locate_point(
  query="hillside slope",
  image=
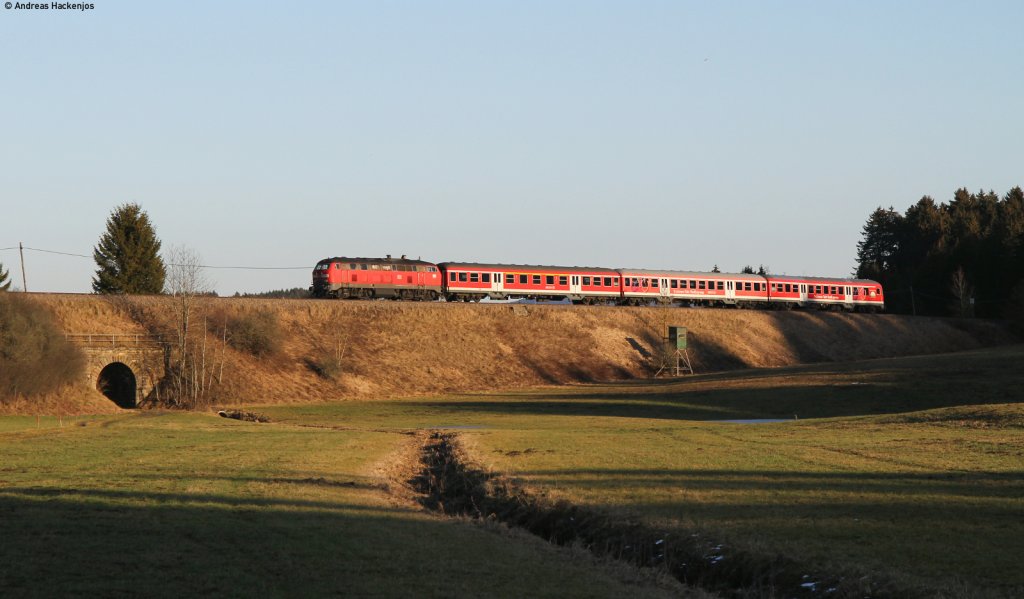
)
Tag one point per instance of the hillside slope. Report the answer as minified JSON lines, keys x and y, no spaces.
{"x":391,"y":349}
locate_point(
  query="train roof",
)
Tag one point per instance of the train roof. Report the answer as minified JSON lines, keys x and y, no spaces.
{"x":387,"y":260}
{"x":692,"y":274}
{"x":829,"y":279}
{"x":528,"y":267}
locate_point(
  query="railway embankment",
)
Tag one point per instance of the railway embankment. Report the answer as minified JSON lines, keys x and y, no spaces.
{"x":332,"y":350}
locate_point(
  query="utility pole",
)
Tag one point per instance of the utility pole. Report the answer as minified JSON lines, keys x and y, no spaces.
{"x":21,"y":250}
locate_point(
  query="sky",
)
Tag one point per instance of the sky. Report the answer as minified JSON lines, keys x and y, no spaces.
{"x":664,"y":135}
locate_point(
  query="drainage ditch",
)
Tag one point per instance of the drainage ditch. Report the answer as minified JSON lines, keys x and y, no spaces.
{"x":449,"y":484}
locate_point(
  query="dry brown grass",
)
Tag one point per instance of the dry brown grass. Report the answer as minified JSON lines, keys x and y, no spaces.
{"x":392,"y":349}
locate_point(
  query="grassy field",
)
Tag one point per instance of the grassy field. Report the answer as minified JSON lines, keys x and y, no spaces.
{"x":910,"y":468}
{"x":158,"y":504}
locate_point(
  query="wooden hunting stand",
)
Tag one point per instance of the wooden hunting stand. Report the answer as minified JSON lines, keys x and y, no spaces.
{"x":676,"y":341}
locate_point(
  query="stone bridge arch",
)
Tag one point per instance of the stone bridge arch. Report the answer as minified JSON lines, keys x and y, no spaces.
{"x":125,"y":368}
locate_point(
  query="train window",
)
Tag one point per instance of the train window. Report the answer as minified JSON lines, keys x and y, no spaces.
{"x":536,"y":279}
{"x":510,"y":279}
{"x":856,"y":291}
{"x":486,"y":277}
{"x":608,"y":281}
{"x":522,"y":279}
{"x":549,"y":279}
{"x":654,"y":283}
{"x":586,"y":280}
{"x":817,"y":289}
{"x":474,"y":277}
{"x":721,"y":285}
{"x":451,"y":276}
{"x":462,"y":277}
{"x":746,"y":286}
{"x":562,"y":280}
{"x":362,"y":267}
{"x":674,"y":284}
{"x":701,"y":284}
{"x":757,"y":287}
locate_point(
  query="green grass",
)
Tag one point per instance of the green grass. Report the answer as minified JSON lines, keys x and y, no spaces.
{"x":183,"y":504}
{"x":911,"y":467}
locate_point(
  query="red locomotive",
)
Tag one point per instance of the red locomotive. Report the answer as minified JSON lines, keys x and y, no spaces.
{"x":366,"y":278}
{"x":462,"y":281}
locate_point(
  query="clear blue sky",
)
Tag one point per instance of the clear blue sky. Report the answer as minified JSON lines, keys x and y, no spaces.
{"x":643,"y":134}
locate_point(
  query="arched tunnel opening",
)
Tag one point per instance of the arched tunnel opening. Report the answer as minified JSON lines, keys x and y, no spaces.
{"x":117,"y":382}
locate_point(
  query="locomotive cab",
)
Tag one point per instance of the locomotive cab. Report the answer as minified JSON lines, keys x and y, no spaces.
{"x":322,"y":278}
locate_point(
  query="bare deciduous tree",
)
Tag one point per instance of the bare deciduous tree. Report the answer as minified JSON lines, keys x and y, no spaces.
{"x":187,"y":283}
{"x":963,"y":293}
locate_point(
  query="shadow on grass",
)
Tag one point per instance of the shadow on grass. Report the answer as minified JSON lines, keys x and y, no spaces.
{"x":822,"y":401}
{"x":1009,"y":485}
{"x":78,"y":542}
{"x":102,"y":543}
{"x":855,"y":389}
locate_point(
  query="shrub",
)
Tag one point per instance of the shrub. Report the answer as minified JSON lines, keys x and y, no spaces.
{"x":329,"y":366}
{"x":258,"y":333}
{"x":35,"y":357}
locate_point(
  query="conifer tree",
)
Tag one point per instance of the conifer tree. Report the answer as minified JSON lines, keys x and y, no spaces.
{"x":882,"y":235}
{"x":5,"y":284}
{"x":128,"y":254}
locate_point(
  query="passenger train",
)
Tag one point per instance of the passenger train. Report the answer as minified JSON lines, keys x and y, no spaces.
{"x":405,"y":279}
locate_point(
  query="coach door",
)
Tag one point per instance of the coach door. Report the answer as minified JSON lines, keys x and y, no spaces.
{"x":848,"y":297}
{"x":496,"y":281}
{"x":803,"y":292}
{"x":730,"y":290}
{"x":663,"y":288}
{"x":574,"y":284}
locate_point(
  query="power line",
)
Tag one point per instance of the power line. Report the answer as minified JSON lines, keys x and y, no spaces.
{"x":56,"y":252}
{"x":210,"y":266}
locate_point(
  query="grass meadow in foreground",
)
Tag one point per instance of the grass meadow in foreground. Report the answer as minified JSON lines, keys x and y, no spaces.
{"x":161,"y":504}
{"x":909,"y":467}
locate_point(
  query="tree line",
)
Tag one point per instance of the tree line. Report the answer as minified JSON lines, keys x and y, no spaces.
{"x":961,"y":258}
